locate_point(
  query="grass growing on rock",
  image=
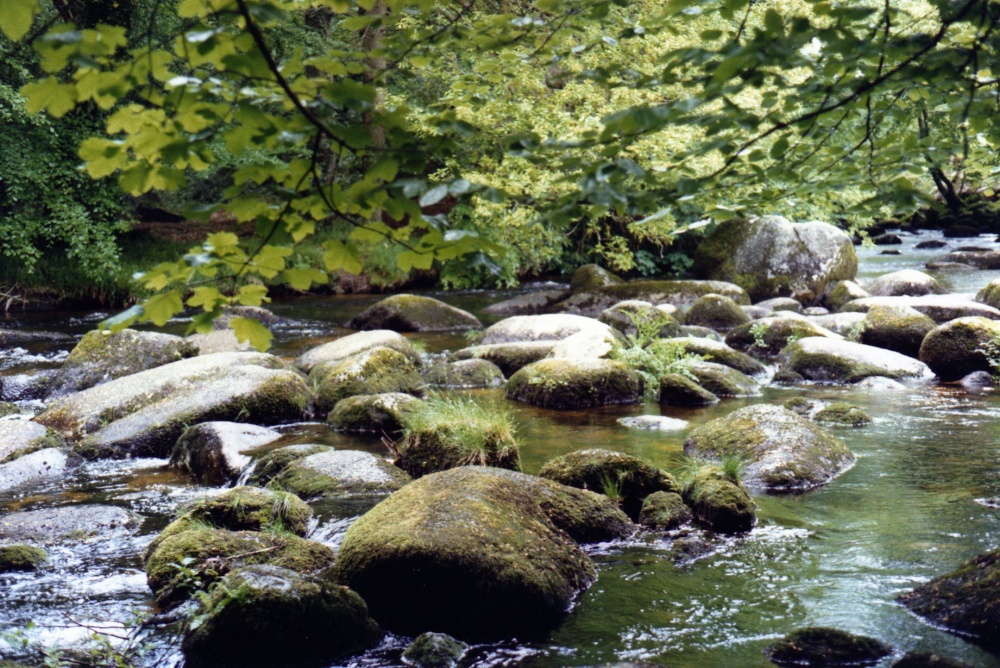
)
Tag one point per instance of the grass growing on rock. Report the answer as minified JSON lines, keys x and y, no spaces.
{"x":450,"y":431}
{"x":653,"y":357}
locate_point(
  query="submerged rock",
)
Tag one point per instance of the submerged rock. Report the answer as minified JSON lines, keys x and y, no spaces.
{"x":101,"y":356}
{"x":962,"y":346}
{"x":75,"y":524}
{"x":928,"y":660}
{"x":829,"y":360}
{"x":278,"y":617}
{"x":772,"y":257}
{"x":626,"y":479}
{"x":339,"y":473}
{"x":414,"y":313}
{"x":21,"y":558}
{"x":375,"y":371}
{"x":782,"y":451}
{"x":652,"y":423}
{"x":478,"y":553}
{"x":434,"y":650}
{"x":144,"y":414}
{"x":664,"y":511}
{"x":355,"y":344}
{"x":965,"y":601}
{"x":568,"y":384}
{"x":213,"y":452}
{"x":819,"y":646}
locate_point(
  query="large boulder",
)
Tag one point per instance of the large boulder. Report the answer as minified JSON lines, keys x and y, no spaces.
{"x":940,"y":308}
{"x":957,"y":348}
{"x":355,"y":344}
{"x":508,"y":357}
{"x":767,"y":337}
{"x":379,"y":413}
{"x":590,"y":277}
{"x":475,"y":552}
{"x":625,"y":478}
{"x":340,"y":474}
{"x":906,"y":282}
{"x":720,"y":353}
{"x":550,"y":327}
{"x":101,"y":356}
{"x":782,"y":451}
{"x":68,"y":525}
{"x":965,"y":601}
{"x":679,"y":293}
{"x":213,"y":452}
{"x":716,"y":312}
{"x":38,"y":465}
{"x":772,"y":257}
{"x":268,"y":615}
{"x":569,"y":384}
{"x":898,"y":328}
{"x":144,"y":414}
{"x":414,"y":313}
{"x":375,"y":371}
{"x":836,"y":361}
{"x":21,"y":437}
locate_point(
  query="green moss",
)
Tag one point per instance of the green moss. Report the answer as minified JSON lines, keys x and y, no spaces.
{"x":573,"y":384}
{"x":589,"y":277}
{"x":379,"y":413}
{"x":7,"y":408}
{"x":435,"y":650}
{"x":413,"y":313}
{"x":820,"y":646}
{"x":801,"y":406}
{"x":716,"y":312}
{"x":375,"y":371}
{"x":957,"y":348}
{"x":901,"y":329}
{"x":723,"y":381}
{"x":21,"y":558}
{"x":676,"y":390}
{"x":341,"y":473}
{"x":633,"y":478}
{"x":842,"y":413}
{"x":274,"y":461}
{"x":664,"y":511}
{"x":718,"y":502}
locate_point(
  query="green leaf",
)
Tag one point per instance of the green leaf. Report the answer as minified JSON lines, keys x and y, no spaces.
{"x":16,"y":17}
{"x":434,"y":195}
{"x":208,"y":298}
{"x":251,"y":295}
{"x":248,"y":329}
{"x":162,"y":307}
{"x":338,"y":255}
{"x":303,"y":278}
{"x":49,"y":95}
{"x":409,"y":259}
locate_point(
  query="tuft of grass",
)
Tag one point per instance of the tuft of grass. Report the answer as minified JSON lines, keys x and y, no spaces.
{"x":729,"y":467}
{"x":484,"y":430}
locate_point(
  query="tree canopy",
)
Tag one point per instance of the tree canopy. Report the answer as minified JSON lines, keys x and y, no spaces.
{"x":466,"y":132}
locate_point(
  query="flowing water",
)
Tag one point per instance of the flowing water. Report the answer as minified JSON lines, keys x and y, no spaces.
{"x":911,"y":508}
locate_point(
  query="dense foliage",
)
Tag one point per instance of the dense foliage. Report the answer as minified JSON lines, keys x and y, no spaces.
{"x":486,"y":138}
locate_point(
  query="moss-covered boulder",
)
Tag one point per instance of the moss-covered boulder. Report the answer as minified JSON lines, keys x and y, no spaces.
{"x":22,"y":437}
{"x":532,"y":303}
{"x":836,"y":361}
{"x":274,"y":461}
{"x":467,"y":374}
{"x":678,"y":390}
{"x":679,"y":293}
{"x":448,"y":432}
{"x":965,"y":601}
{"x":205,"y":555}
{"x":626,"y":479}
{"x":716,"y":312}
{"x":772,"y":257}
{"x":821,"y":646}
{"x":413,"y":313}
{"x":267,"y":616}
{"x":957,"y":348}
{"x":143,"y":415}
{"x":101,"y":356}
{"x":375,"y":371}
{"x":508,"y":357}
{"x":48,"y":463}
{"x":801,"y":406}
{"x":339,"y":473}
{"x":767,"y":337}
{"x":475,"y":552}
{"x":21,"y":558}
{"x":378,"y":413}
{"x":904,"y":282}
{"x":570,"y":384}
{"x":939,"y":308}
{"x":723,"y":381}
{"x":625,"y":316}
{"x":590,"y":277}
{"x":719,"y":502}
{"x":720,"y":353}
{"x":664,"y":511}
{"x":548,"y":327}
{"x":782,"y":451}
{"x":841,"y":293}
{"x":68,"y":524}
{"x":213,"y":453}
{"x":355,"y":344}
{"x":434,"y":650}
{"x":843,"y":414}
{"x":929,"y":660}
{"x":898,"y":328}
{"x":990,"y":295}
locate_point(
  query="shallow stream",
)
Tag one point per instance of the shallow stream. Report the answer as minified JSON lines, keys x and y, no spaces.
{"x":911,"y":508}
